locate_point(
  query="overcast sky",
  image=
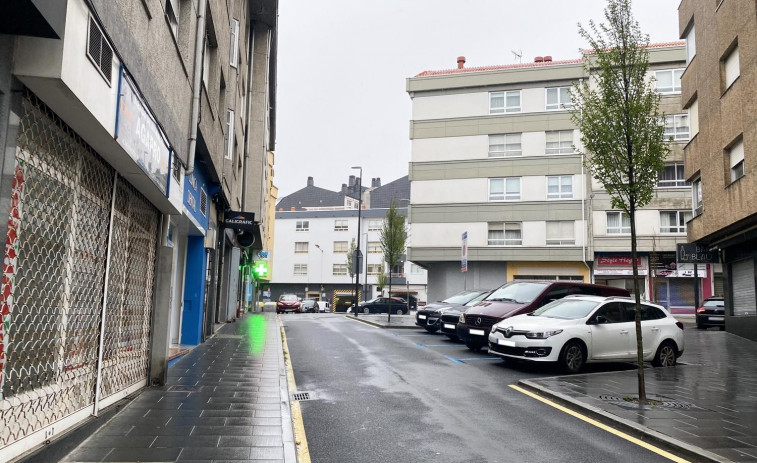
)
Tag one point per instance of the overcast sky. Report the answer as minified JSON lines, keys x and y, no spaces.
{"x":343,"y":65}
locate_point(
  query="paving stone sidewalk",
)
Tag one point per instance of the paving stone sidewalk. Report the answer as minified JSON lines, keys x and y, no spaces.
{"x":709,"y":409}
{"x":225,"y":401}
{"x":380,"y":320}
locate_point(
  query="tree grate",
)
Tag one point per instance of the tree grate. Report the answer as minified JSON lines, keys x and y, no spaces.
{"x":656,"y":402}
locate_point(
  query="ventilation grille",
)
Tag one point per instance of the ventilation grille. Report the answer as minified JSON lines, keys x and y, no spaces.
{"x":204,"y":203}
{"x":99,"y":52}
{"x":302,"y":396}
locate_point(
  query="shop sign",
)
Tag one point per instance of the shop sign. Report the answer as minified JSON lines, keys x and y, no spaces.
{"x":140,"y":136}
{"x":692,"y":253}
{"x":618,"y":272}
{"x":196,"y":197}
{"x":240,"y":220}
{"x":617,"y":261}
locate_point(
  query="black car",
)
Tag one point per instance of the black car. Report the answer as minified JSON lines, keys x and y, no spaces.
{"x":309,"y":306}
{"x":429,"y":316}
{"x":711,"y":313}
{"x":381,"y":305}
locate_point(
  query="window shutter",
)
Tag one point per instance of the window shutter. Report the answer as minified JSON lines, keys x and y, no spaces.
{"x":732,"y":67}
{"x":742,"y":277}
{"x":99,"y":51}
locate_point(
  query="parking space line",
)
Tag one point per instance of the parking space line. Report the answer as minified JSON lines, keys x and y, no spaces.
{"x":602,"y":426}
{"x":448,"y":357}
{"x":410,"y":335}
{"x":442,"y":345}
{"x":480,"y":358}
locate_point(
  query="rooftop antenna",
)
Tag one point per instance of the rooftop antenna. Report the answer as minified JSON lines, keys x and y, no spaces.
{"x":518,"y":55}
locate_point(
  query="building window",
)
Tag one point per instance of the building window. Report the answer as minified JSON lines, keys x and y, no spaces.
{"x":375,"y":225}
{"x":691,"y":45}
{"x":560,"y":142}
{"x":736,"y":160}
{"x":618,"y":223}
{"x":374,"y":269}
{"x":671,"y":176}
{"x":339,"y":269}
{"x":561,"y":233}
{"x":504,"y":102}
{"x":504,"y":189}
{"x":696,"y":191}
{"x":504,"y":145}
{"x":513,"y":234}
{"x":301,"y":247}
{"x":340,"y":247}
{"x":674,"y":221}
{"x":374,"y":247}
{"x":302,"y":225}
{"x":496,"y":234}
{"x":560,"y":187}
{"x":234,"y":46}
{"x":505,"y":234}
{"x":730,"y":65}
{"x":300,"y":269}
{"x":230,"y":134}
{"x":173,"y":13}
{"x":558,"y":99}
{"x":677,"y":126}
{"x":340,"y":225}
{"x":416,"y":269}
{"x":693,"y":112}
{"x":668,"y":81}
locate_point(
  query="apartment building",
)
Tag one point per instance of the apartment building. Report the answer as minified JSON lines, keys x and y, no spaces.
{"x":129,"y":131}
{"x":315,"y":228}
{"x":495,"y":155}
{"x":718,"y":84}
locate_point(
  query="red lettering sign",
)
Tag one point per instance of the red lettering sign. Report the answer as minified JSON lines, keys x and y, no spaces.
{"x":617,"y":261}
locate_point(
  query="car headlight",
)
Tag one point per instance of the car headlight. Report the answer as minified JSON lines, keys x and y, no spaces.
{"x":542,"y":334}
{"x":462,"y":318}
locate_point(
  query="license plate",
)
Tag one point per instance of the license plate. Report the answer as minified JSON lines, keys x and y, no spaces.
{"x":477,"y":332}
{"x":505,"y":342}
{"x":421,"y":317}
{"x":716,"y":319}
{"x":449,"y":327}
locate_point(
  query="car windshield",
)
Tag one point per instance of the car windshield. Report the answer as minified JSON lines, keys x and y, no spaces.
{"x":288,"y":298}
{"x":521,"y":293}
{"x":476,"y":299}
{"x":714,"y":303}
{"x":461,"y":297}
{"x":566,"y":309}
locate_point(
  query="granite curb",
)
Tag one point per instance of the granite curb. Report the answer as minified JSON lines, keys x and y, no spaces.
{"x":290,"y":447}
{"x":636,"y":430}
{"x":379,"y":324}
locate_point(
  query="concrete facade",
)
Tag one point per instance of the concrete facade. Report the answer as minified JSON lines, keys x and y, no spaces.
{"x":719,"y":90}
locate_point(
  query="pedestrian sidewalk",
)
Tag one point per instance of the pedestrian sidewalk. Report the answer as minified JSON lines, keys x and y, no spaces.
{"x":226,"y":400}
{"x":380,"y":320}
{"x":708,"y":409}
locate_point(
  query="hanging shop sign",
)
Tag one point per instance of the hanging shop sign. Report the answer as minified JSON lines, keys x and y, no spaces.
{"x":692,"y":253}
{"x":240,"y":220}
{"x":139,"y":135}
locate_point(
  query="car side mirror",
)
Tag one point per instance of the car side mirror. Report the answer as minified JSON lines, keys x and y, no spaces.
{"x":601,"y":319}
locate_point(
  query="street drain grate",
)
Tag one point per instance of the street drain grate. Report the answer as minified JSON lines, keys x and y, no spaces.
{"x":656,"y":402}
{"x":302,"y":396}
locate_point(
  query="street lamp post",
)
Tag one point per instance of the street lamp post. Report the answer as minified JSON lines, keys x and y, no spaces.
{"x":356,"y":257}
{"x":321,"y":275}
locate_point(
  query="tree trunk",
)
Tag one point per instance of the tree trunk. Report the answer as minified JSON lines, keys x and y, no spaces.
{"x":389,"y":317}
{"x":637,"y":295}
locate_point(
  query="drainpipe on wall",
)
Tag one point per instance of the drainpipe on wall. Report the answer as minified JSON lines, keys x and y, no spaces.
{"x":196,"y":86}
{"x":248,"y":105}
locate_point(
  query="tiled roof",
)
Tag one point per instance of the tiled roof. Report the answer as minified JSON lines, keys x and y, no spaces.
{"x":399,"y":190}
{"x":311,"y":196}
{"x":530,"y":65}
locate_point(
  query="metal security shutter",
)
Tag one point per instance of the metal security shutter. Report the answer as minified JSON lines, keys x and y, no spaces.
{"x":681,"y":292}
{"x":719,"y":283}
{"x":742,"y":277}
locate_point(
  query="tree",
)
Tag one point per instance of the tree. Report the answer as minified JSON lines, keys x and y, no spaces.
{"x":350,"y":262}
{"x":617,"y":111}
{"x":393,"y":239}
{"x":381,"y":280}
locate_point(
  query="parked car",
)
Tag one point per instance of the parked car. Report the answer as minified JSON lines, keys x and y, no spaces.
{"x":309,"y":306}
{"x":519,"y":297}
{"x":711,"y":313}
{"x":381,"y":305}
{"x":288,"y":303}
{"x":450,"y":317}
{"x":429,"y":316}
{"x":577,"y":330}
{"x":413,"y":300}
{"x":324,"y":306}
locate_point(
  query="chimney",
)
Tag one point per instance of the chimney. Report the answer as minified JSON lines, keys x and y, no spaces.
{"x":376,"y":182}
{"x":460,"y":62}
{"x":539,"y":59}
{"x":547,"y":59}
{"x":344,"y":188}
{"x":310,"y":181}
{"x":352,"y":181}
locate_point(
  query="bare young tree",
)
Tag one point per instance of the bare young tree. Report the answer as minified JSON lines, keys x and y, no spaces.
{"x":617,"y":111}
{"x":393,"y":240}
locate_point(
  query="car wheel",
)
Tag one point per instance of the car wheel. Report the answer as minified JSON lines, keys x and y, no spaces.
{"x":366,"y":310}
{"x":665,"y":356}
{"x":475,"y":347}
{"x":572,"y":357}
{"x":701,"y":327}
{"x":399,"y":312}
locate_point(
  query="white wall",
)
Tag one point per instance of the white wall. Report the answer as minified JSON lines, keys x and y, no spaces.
{"x":476,"y":190}
{"x":450,"y":148}
{"x":449,"y":234}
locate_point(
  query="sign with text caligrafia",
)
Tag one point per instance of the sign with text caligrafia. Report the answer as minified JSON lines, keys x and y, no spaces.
{"x":140,"y":136}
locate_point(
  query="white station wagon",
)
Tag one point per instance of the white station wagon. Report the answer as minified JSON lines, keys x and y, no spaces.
{"x":577,"y":330}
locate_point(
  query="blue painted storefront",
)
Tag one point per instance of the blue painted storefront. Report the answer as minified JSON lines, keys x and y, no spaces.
{"x":195,"y":196}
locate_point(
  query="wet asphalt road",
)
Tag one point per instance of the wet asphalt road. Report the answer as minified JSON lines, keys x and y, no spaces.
{"x":385,"y":395}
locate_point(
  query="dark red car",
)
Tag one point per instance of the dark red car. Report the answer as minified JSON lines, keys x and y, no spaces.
{"x":288,"y":303}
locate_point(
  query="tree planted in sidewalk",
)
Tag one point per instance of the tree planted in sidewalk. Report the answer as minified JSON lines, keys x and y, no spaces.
{"x":350,"y":257}
{"x":617,"y":112}
{"x":393,"y":239}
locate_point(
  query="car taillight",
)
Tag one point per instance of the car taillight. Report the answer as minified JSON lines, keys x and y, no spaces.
{"x":700,"y":310}
{"x":679,"y":324}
